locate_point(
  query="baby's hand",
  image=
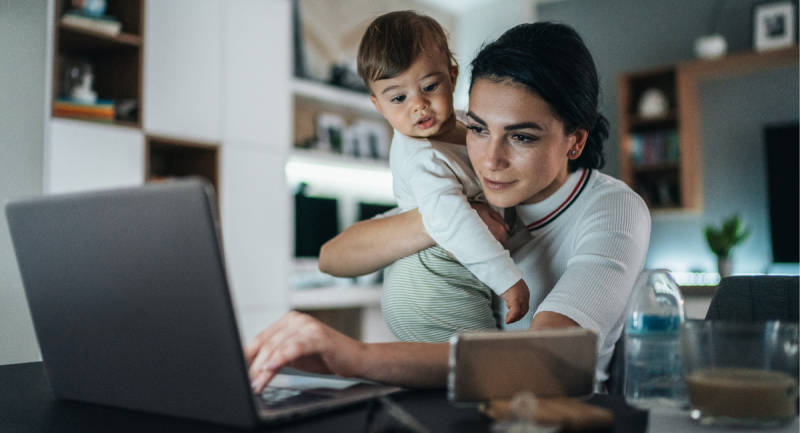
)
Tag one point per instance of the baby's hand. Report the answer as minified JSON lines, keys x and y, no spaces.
{"x":517,"y":299}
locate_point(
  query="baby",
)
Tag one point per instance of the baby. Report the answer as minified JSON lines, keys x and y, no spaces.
{"x":405,"y":61}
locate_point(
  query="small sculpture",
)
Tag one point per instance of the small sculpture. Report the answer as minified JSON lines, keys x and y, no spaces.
{"x":653,"y":104}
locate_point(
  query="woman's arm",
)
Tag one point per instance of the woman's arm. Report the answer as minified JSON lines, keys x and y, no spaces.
{"x":371,"y":245}
{"x":298,"y":340}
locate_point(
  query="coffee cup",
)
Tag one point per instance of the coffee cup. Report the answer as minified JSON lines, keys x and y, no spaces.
{"x":741,"y":374}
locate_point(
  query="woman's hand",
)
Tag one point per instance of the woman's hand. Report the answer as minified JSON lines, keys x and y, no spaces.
{"x":493,"y":220}
{"x":297,"y":340}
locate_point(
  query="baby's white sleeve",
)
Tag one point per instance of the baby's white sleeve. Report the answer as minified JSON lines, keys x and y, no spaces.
{"x":454,"y":225}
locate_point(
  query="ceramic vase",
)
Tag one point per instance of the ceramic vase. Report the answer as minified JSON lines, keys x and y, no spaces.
{"x":724,"y":266}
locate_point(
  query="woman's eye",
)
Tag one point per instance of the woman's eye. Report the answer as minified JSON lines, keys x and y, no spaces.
{"x":430,"y":87}
{"x":476,"y":129}
{"x":399,"y":99}
{"x":520,"y":138}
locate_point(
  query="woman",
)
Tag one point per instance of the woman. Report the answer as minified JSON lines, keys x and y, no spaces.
{"x":535,"y":138}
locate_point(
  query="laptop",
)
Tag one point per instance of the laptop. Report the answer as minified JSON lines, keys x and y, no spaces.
{"x":131,"y":306}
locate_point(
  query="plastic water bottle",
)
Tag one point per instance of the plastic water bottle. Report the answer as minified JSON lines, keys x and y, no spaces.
{"x":653,"y":367}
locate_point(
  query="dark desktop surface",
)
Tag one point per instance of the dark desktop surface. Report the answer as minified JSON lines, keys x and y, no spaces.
{"x":27,"y":405}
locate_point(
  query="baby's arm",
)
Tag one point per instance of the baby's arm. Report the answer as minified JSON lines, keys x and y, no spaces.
{"x":456,"y":227}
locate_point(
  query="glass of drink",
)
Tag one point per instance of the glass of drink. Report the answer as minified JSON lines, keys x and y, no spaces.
{"x":741,"y":374}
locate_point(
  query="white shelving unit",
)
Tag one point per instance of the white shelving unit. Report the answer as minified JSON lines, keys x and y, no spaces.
{"x":332,"y":95}
{"x":351,"y":180}
{"x":329,"y":159}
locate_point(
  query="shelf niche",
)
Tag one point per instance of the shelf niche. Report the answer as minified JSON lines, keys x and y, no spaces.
{"x":169,"y":158}
{"x":116,"y":59}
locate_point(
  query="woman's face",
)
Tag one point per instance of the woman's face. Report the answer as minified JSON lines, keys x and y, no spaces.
{"x":516,"y":144}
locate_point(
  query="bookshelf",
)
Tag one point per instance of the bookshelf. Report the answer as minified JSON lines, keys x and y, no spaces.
{"x":661,"y":157}
{"x":652,"y":163}
{"x":115,"y":60}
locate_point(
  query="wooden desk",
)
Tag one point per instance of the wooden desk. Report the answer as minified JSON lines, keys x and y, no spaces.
{"x":28,"y":406}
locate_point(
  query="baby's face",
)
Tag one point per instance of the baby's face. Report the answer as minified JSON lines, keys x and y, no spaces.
{"x":418,"y":102}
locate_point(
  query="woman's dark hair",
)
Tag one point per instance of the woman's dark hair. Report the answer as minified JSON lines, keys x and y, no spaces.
{"x":552,"y":61}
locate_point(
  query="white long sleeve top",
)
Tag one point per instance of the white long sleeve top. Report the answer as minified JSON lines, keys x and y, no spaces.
{"x":438,"y":179}
{"x":581,"y":250}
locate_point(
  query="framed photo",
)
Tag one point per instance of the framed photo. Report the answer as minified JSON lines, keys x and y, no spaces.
{"x":330,"y":132}
{"x":352,"y":141}
{"x":374,"y":139}
{"x":774,"y":24}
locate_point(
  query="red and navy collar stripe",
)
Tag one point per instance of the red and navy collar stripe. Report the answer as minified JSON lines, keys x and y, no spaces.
{"x":584,"y":180}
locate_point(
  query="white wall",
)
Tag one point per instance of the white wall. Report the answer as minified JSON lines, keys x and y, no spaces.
{"x":485,"y":24}
{"x":23,"y":54}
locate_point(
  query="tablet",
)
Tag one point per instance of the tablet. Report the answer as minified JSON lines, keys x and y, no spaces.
{"x":497,"y":365}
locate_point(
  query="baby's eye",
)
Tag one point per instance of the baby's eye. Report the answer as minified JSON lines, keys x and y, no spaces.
{"x":398,"y":99}
{"x":430,"y":87}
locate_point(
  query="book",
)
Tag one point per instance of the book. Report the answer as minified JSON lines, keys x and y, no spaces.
{"x":102,"y":110}
{"x":104,"y":24}
{"x":655,"y":148}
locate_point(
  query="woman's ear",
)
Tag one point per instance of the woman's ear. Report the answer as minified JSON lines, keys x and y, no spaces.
{"x":577,"y":142}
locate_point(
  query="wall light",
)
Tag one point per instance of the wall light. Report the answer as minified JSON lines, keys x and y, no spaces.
{"x":334,"y":177}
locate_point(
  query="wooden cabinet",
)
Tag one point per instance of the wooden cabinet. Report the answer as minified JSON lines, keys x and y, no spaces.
{"x":212,"y":81}
{"x":115,"y":59}
{"x":652,"y":166}
{"x":87,"y":155}
{"x":661,"y":156}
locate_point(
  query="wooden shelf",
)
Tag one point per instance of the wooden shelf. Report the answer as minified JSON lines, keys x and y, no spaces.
{"x":656,"y":168}
{"x":747,"y":62}
{"x":124,"y":123}
{"x":667,"y":121}
{"x":680,"y":84}
{"x":335,"y":297}
{"x":80,"y":41}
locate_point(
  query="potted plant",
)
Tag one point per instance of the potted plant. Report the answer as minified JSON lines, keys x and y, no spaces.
{"x":721,"y":241}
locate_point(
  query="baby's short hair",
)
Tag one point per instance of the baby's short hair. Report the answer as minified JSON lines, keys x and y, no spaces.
{"x":393,"y":42}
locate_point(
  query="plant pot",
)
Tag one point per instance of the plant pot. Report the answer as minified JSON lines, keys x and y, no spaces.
{"x":724,"y":266}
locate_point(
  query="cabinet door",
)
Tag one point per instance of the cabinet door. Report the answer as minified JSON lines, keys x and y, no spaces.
{"x":183,"y":68}
{"x":84,"y":156}
{"x":256,"y":230}
{"x":258,"y":69}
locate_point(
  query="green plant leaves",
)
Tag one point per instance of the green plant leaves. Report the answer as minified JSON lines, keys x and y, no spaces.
{"x":732,"y":233}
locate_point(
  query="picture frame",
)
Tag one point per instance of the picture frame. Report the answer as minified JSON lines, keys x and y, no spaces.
{"x":352,"y":141}
{"x":374,"y":139}
{"x":330,"y":132}
{"x":774,"y":24}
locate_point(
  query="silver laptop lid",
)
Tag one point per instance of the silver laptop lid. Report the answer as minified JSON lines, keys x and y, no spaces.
{"x":129,"y":300}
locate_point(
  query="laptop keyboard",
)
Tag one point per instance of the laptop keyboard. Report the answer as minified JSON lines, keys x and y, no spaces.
{"x":278,"y":398}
